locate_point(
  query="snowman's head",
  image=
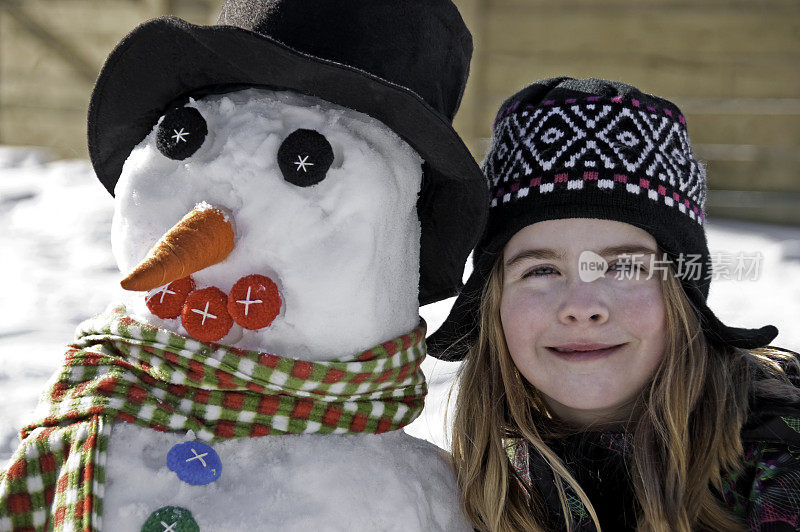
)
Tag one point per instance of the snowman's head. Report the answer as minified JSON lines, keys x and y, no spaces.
{"x":321,"y":201}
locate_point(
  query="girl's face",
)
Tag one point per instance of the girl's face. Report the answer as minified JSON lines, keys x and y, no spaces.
{"x":589,"y":346}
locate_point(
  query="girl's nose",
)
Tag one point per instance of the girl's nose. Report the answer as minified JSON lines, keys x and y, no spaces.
{"x":583,"y":304}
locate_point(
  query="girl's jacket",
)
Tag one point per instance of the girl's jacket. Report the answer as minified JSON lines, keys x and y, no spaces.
{"x":764,"y":491}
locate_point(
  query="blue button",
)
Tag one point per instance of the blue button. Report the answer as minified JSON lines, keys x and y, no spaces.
{"x":194,"y":462}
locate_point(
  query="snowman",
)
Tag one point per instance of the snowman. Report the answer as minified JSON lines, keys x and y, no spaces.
{"x":288,"y":190}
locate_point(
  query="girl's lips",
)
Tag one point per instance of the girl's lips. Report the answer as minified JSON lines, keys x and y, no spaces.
{"x":586,"y":355}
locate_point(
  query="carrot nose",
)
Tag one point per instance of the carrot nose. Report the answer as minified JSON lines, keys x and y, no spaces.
{"x":201,"y":239}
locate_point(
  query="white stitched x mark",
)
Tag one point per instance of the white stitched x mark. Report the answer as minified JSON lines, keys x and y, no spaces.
{"x":198,"y":457}
{"x":205,"y":313}
{"x":163,"y":291}
{"x":301,"y":163}
{"x":178,"y":136}
{"x":169,"y":528}
{"x":247,"y":301}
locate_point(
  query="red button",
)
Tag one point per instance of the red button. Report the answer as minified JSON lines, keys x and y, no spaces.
{"x":254,"y":301}
{"x":205,"y":315}
{"x":167,"y":301}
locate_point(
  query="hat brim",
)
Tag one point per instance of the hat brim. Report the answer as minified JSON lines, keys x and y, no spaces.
{"x":168,"y":57}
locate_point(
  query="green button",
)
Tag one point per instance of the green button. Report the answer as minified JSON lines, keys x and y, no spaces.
{"x":171,"y":519}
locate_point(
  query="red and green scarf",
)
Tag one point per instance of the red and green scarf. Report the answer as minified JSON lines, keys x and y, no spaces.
{"x":122,"y":370}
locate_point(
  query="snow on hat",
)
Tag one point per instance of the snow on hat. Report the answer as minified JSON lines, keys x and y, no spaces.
{"x":402,"y":63}
{"x":568,"y":148}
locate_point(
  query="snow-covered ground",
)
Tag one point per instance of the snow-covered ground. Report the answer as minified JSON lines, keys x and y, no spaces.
{"x":56,"y":269}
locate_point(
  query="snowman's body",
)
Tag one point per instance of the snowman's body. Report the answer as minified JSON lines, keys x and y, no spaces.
{"x":306,"y":482}
{"x":344,"y":254}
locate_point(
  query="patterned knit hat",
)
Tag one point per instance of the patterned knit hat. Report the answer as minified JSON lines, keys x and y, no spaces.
{"x":567,"y":148}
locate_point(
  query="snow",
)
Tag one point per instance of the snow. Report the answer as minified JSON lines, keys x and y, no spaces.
{"x":58,"y":269}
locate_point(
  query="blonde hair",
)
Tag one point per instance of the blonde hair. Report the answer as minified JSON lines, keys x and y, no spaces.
{"x":686,"y":430}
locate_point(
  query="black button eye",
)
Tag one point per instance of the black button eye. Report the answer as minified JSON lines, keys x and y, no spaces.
{"x":304,"y":157}
{"x":181,"y":133}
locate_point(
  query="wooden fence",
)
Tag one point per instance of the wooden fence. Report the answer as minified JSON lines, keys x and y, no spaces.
{"x":733,"y":66}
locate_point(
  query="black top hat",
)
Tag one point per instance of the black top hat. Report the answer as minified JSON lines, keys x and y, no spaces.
{"x":404,"y":63}
{"x":591,"y":148}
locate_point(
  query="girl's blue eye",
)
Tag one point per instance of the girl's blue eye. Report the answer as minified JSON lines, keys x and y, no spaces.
{"x":619,"y":267}
{"x":540,"y":271}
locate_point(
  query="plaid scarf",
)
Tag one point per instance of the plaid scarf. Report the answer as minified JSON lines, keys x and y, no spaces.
{"x":122,"y":370}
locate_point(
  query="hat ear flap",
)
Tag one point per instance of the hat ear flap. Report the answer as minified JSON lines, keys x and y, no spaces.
{"x":447,"y":236}
{"x":717,"y":332}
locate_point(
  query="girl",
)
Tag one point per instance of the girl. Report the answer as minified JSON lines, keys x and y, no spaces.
{"x":598,"y":390}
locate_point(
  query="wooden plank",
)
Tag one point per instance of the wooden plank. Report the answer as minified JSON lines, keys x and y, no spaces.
{"x":465,"y":123}
{"x":55,"y":89}
{"x":772,"y":207}
{"x":113,"y":16}
{"x":34,"y":81}
{"x":766,"y":213}
{"x":699,"y":6}
{"x":706,"y":75}
{"x":196,"y":11}
{"x":768,"y":175}
{"x":62,"y":130}
{"x":21,"y":52}
{"x":745,"y":129}
{"x":748,"y":153}
{"x":677,"y":31}
{"x":740,"y":106}
{"x":97,"y":26}
{"x":59,"y":46}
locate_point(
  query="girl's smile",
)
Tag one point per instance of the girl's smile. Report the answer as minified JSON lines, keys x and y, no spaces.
{"x":584,"y":353}
{"x":588,"y":347}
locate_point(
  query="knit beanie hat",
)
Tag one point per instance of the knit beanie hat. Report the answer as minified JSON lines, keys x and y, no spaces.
{"x":590,"y":148}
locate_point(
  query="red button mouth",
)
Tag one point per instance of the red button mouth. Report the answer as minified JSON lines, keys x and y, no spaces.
{"x":254,"y":302}
{"x":208,"y":314}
